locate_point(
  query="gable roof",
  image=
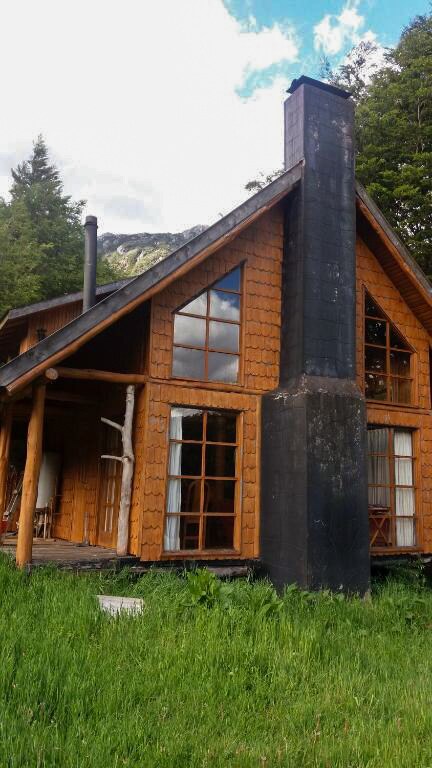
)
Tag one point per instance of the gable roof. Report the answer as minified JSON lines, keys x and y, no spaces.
{"x":54,"y":348}
{"x":394,"y":257}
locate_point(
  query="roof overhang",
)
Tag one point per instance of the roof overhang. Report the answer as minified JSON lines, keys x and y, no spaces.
{"x":19,"y":372}
{"x":395,"y":259}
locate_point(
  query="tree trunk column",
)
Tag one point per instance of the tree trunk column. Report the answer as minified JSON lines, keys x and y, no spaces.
{"x":5,"y":439}
{"x":31,"y":477}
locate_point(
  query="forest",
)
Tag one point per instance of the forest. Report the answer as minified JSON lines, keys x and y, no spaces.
{"x":41,"y":234}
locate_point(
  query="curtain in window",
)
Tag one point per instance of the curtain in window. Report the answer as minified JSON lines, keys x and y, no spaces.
{"x":378,"y":468}
{"x":404,"y":497}
{"x":172,"y":524}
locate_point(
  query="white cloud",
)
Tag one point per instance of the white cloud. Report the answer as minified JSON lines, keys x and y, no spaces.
{"x":334,"y":32}
{"x":139,"y":104}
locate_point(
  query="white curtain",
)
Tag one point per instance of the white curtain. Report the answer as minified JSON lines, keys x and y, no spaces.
{"x":172,"y":524}
{"x":378,"y":468}
{"x":404,"y":501}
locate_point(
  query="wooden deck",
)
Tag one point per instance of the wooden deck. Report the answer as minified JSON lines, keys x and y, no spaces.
{"x":69,"y":556}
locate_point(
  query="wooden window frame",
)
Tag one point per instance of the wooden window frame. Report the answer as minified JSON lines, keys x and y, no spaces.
{"x":392,"y":485}
{"x":201,"y":551}
{"x":388,"y":375}
{"x":206,"y":349}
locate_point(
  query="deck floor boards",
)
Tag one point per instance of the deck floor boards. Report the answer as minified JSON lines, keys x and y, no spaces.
{"x":68,"y":555}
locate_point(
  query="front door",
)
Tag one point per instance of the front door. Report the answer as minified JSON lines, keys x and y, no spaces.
{"x":110,"y":487}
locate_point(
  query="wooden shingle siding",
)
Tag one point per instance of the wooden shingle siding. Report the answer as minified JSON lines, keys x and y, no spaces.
{"x":417,"y":416}
{"x":50,"y":320}
{"x":161,"y":397}
{"x":259,"y":248}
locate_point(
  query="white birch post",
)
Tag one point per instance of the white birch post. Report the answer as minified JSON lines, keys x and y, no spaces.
{"x":128,"y":461}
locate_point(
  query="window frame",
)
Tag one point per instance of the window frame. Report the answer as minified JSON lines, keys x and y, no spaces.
{"x":388,"y":375}
{"x":208,"y":318}
{"x":391,"y":516}
{"x":200,"y":551}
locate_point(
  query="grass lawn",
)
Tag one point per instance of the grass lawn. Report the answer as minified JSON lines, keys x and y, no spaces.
{"x":317,"y":681}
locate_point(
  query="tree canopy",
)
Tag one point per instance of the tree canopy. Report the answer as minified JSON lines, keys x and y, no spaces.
{"x":41,"y":235}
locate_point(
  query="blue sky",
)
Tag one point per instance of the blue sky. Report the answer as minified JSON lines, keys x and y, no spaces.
{"x":382,"y":20}
{"x":171,"y":106}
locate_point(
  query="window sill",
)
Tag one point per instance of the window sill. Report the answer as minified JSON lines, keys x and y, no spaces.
{"x":200,"y":554}
{"x":394,"y":550}
{"x":393,"y":406}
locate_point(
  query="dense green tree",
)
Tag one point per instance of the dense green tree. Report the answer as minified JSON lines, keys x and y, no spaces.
{"x":41,"y":235}
{"x":394,"y":139}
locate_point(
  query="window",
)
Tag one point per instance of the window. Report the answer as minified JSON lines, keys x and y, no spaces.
{"x":392,"y":518}
{"x":207,"y":333}
{"x":387,"y":358}
{"x":202,"y":480}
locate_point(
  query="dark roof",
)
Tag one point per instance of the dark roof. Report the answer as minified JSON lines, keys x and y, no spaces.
{"x":48,"y":351}
{"x":59,"y":301}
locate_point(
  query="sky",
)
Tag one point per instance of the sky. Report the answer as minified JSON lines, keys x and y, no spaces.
{"x":158,"y":112}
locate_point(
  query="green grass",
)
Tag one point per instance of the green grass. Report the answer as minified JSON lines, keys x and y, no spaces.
{"x":320,"y":682}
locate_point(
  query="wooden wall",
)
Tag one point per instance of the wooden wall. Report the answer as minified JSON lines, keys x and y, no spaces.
{"x":259,"y":247}
{"x":51,"y":320}
{"x":418,"y":416}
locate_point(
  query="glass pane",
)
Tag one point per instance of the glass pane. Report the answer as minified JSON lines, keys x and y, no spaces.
{"x":185,"y":459}
{"x":230,"y":282}
{"x":400,"y":390}
{"x":375,"y":332}
{"x":219,"y":532}
{"x":375,"y":359}
{"x":379,"y":499}
{"x":181,"y":533}
{"x":219,"y":496}
{"x":403,"y":442}
{"x":189,"y":330}
{"x":222,"y":367}
{"x":404,"y":472}
{"x":371,"y":308}
{"x":220,"y":461}
{"x":197,"y":306}
{"x":224,"y":336}
{"x":186,"y":424}
{"x":376,"y":386}
{"x":377,"y":439}
{"x":188,"y":363}
{"x":396,"y":340}
{"x":378,"y":470}
{"x":221,"y":427}
{"x":183,"y":496}
{"x":400,"y":363}
{"x":224,"y":305}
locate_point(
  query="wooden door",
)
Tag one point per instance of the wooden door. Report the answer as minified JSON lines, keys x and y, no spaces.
{"x":110,"y":486}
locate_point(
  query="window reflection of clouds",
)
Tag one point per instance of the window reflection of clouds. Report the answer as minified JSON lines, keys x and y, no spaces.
{"x":188,"y":363}
{"x":189,"y":330}
{"x":223,"y":336}
{"x":224,"y":305}
{"x":197,"y":306}
{"x":222,"y":367}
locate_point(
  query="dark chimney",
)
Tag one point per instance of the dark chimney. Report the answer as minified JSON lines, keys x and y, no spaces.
{"x":90,"y":259}
{"x":314,"y":524}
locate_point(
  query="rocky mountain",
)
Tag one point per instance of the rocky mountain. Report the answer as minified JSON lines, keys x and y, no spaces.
{"x":133,"y":254}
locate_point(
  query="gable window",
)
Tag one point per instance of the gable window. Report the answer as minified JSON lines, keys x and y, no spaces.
{"x":207,"y":333}
{"x":392,"y":513}
{"x":202,"y":480}
{"x":388,"y":365}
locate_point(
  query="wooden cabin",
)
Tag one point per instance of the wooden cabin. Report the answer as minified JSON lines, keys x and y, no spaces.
{"x":278,"y":363}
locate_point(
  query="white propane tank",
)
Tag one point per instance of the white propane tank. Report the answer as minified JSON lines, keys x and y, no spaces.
{"x":47,"y":479}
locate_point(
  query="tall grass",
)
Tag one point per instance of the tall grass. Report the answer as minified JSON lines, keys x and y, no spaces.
{"x":322,"y":682}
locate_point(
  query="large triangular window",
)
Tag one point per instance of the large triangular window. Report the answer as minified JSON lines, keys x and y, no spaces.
{"x":206,"y":343}
{"x":388,"y":358}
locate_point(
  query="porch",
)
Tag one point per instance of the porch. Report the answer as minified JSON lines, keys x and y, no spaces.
{"x":68,"y":555}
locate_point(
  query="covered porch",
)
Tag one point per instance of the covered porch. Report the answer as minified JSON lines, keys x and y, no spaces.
{"x":68,"y":555}
{"x":66,"y":445}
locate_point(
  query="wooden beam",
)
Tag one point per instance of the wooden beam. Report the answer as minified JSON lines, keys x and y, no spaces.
{"x":31,"y":477}
{"x":5,"y":439}
{"x":91,"y":374}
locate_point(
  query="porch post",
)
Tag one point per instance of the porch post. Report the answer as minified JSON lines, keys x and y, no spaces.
{"x":5,"y":439}
{"x":31,"y":477}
